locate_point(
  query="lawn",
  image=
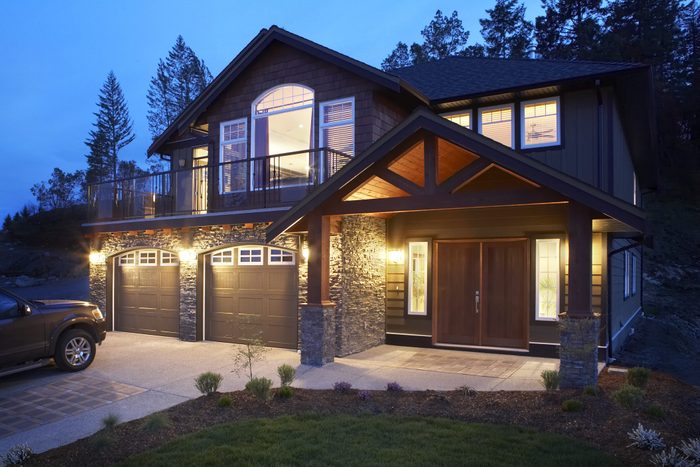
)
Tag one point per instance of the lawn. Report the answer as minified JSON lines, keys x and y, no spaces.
{"x":370,"y":440}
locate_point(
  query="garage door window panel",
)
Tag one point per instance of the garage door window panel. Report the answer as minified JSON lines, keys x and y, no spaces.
{"x":128,"y":259}
{"x":168,"y":259}
{"x":222,"y":258}
{"x":277,"y":256}
{"x":148,"y":258}
{"x":250,"y":257}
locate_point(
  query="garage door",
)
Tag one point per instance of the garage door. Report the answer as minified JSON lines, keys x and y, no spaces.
{"x":252,"y":294}
{"x":146,"y":293}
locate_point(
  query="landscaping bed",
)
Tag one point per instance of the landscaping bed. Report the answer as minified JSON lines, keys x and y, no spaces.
{"x":602,"y":422}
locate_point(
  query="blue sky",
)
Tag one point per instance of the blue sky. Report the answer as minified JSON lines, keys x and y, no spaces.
{"x":56,"y":56}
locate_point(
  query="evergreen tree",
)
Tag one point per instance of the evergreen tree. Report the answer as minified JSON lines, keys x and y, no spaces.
{"x":98,"y":167}
{"x":7,"y":223}
{"x":177,"y":82}
{"x":506,"y":32}
{"x":687,"y":79}
{"x":569,"y":29}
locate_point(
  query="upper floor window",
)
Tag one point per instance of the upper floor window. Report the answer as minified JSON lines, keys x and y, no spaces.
{"x":234,"y":140}
{"x":337,"y":125}
{"x":497,"y":123}
{"x":540,"y":123}
{"x":462,"y":118}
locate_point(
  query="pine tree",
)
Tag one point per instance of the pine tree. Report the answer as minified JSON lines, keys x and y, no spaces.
{"x":569,"y":29}
{"x":98,"y":167}
{"x":687,"y":78}
{"x":177,"y":82}
{"x":506,"y":32}
{"x":7,"y":223}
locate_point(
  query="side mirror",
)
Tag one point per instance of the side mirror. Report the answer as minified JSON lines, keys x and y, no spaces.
{"x":25,"y":309}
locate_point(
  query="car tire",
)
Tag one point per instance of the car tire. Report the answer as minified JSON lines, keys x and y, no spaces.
{"x":75,"y":350}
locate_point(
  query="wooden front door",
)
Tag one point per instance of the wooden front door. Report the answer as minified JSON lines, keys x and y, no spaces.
{"x":481,"y":293}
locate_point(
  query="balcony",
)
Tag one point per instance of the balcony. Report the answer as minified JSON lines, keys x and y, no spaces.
{"x":265,"y":182}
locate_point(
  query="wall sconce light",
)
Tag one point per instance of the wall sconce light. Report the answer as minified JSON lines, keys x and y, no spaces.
{"x":305,"y":253}
{"x":396,"y":256}
{"x":97,"y":257}
{"x":188,"y":256}
{"x":181,"y":163}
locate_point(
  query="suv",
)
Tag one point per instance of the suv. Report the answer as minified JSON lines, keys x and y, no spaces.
{"x":34,"y":331}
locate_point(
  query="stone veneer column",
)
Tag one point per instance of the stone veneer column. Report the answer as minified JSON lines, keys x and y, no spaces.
{"x":578,"y":353}
{"x":188,"y":300}
{"x":317,"y":334}
{"x":98,"y":288}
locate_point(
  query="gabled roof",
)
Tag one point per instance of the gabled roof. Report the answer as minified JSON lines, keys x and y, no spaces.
{"x":456,"y":78}
{"x":423,"y":119}
{"x":251,"y":51}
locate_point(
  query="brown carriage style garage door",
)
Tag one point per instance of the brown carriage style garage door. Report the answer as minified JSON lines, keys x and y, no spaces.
{"x":252,"y":293}
{"x":146,"y":292}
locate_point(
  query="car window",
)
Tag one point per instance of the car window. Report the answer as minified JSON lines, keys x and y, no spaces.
{"x":8,"y":307}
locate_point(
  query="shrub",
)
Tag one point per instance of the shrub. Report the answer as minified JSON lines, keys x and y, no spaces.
{"x":253,"y":351}
{"x":102,"y":440}
{"x":655,"y":411}
{"x":259,"y":387}
{"x":691,"y":448}
{"x":285,"y":392}
{"x":208,"y":383}
{"x":287,"y":373}
{"x":224,"y":401}
{"x":156,"y":422}
{"x":342,"y":387}
{"x":364,"y":395}
{"x":550,"y":380}
{"x":671,"y":458}
{"x":18,"y":455}
{"x":110,"y":421}
{"x":646,"y":438}
{"x":394,"y":387}
{"x":592,"y":391}
{"x":467,"y":390}
{"x":572,"y":405}
{"x":638,"y":376}
{"x":628,"y":396}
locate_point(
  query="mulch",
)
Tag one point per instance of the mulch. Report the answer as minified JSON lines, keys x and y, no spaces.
{"x":602,"y":422}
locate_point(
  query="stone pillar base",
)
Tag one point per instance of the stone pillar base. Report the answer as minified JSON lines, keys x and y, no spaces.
{"x":317,"y":334}
{"x":578,"y":354}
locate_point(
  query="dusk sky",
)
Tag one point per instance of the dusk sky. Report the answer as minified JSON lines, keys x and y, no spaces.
{"x":57,"y":54}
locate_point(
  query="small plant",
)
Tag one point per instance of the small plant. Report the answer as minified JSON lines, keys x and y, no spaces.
{"x":550,"y":380}
{"x":284,"y":392}
{"x":671,"y":458}
{"x":342,"y":387}
{"x":208,"y":383}
{"x":259,"y":387}
{"x":592,"y":391}
{"x":156,"y":422}
{"x":101,"y":440}
{"x":18,"y":455}
{"x":287,"y":373}
{"x":253,"y":351}
{"x":364,"y":395}
{"x":467,"y":391}
{"x":655,"y":411}
{"x":110,"y":421}
{"x":394,"y":387}
{"x":224,"y":401}
{"x":691,"y":448}
{"x":572,"y":405}
{"x":638,"y":376}
{"x":628,"y":396}
{"x":646,"y":438}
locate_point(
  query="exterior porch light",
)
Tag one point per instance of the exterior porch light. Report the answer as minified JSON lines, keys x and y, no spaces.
{"x":305,"y":253}
{"x":188,"y":255}
{"x":97,"y":257}
{"x":396,"y":256}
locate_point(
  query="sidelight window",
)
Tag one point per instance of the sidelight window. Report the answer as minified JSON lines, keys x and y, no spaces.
{"x":233,"y":150}
{"x":547,"y":275}
{"x":418,"y":278}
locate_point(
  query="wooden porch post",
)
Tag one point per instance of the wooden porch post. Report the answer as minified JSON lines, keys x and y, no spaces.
{"x":580,"y":261}
{"x":319,"y":257}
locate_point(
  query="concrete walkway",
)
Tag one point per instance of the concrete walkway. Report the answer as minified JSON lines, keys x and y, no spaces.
{"x":134,"y":375}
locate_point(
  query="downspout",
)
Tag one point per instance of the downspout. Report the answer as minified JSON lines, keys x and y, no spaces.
{"x":599,"y":147}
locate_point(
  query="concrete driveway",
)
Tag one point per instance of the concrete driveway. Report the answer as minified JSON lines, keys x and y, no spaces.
{"x":134,"y":375}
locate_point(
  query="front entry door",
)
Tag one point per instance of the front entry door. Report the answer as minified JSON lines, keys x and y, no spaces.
{"x":482,"y":293}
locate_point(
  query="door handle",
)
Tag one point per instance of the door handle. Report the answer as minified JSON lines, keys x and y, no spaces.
{"x":476,"y":301}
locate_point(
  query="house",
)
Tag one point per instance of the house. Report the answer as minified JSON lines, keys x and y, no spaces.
{"x":319,"y":203}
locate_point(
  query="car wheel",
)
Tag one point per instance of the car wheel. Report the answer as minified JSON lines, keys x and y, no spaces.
{"x":75,"y":351}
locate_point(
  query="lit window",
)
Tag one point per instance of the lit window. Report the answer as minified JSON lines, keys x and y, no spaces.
{"x":464,"y":119}
{"x":222,"y":257}
{"x":127,"y":259}
{"x":418,"y":278}
{"x":497,"y":123}
{"x":337,"y":128}
{"x":277,"y":256}
{"x":148,"y":258}
{"x":233,"y":151}
{"x":547,"y":294}
{"x":540,"y":123}
{"x":168,"y":259}
{"x":249,"y":256}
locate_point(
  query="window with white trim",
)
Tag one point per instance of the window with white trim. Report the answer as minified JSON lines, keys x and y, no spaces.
{"x":279,"y":256}
{"x":222,"y":257}
{"x":547,"y":275}
{"x":497,"y":123}
{"x":168,"y":259}
{"x":418,"y":278}
{"x":148,"y":258}
{"x":337,"y":125}
{"x":635,"y":189}
{"x":462,"y":118}
{"x":250,"y":256}
{"x":627,"y":259}
{"x":127,"y":259}
{"x":633,"y":275}
{"x":539,"y":122}
{"x":233,"y":149}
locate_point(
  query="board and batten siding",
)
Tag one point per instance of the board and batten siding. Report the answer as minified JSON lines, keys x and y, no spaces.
{"x":623,"y":310}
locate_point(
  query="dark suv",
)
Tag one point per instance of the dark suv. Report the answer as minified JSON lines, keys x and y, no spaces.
{"x":34,"y":331}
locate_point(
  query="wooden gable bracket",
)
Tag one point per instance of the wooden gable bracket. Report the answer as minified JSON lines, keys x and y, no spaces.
{"x":464,"y":176}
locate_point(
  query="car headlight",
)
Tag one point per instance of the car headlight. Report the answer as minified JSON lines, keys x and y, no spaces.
{"x":97,"y":314}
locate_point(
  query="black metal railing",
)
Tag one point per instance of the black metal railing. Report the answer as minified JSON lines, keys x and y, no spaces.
{"x":272,"y":181}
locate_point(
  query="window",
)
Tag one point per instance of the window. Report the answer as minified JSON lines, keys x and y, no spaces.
{"x":337,"y":125}
{"x":168,"y":259}
{"x":633,"y":275}
{"x":9,"y":308}
{"x":148,"y":258}
{"x":278,"y":256}
{"x":234,"y":138}
{"x":463,"y":118}
{"x":249,"y":256}
{"x":127,"y":259}
{"x":626,"y":275}
{"x":497,"y":123}
{"x":417,"y":278}
{"x":223,"y":257}
{"x":540,"y":123}
{"x":547,"y":295}
{"x":635,"y":189}
{"x":630,"y":274}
